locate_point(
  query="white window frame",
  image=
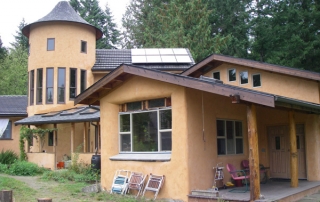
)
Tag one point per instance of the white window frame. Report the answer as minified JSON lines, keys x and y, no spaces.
{"x":260,"y":80}
{"x":240,"y":77}
{"x":131,"y":125}
{"x":234,"y":137}
{"x":228,"y":78}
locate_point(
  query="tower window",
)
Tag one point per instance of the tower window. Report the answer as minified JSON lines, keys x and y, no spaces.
{"x":61,"y":84}
{"x":39,"y":85}
{"x":50,"y":44}
{"x":83,"y":47}
{"x":31,"y":87}
{"x":83,"y":80}
{"x":49,"y":91}
{"x":73,"y":83}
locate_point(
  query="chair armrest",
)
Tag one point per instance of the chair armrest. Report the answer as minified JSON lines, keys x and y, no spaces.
{"x":243,"y":172}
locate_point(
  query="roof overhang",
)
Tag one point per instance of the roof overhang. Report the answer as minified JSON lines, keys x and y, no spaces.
{"x":215,"y":60}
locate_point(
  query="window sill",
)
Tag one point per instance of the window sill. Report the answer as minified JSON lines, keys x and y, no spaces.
{"x":6,"y":139}
{"x":166,"y":156}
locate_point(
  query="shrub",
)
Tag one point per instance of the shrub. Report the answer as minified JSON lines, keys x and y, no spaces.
{"x":3,"y":168}
{"x":8,"y":157}
{"x":24,"y":168}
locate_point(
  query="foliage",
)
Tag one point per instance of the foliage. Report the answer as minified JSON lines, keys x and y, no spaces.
{"x":90,"y":11}
{"x":8,"y":157}
{"x":21,"y":41}
{"x":21,"y":192}
{"x":24,"y":168}
{"x":3,"y":168}
{"x":3,"y":51}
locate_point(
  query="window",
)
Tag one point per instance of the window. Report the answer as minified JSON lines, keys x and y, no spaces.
{"x":244,"y":77}
{"x":61,"y":84}
{"x":83,"y":47}
{"x":83,"y":80}
{"x":49,"y":91}
{"x":50,"y":139}
{"x":73,"y":83}
{"x":256,"y":80}
{"x":29,"y":48}
{"x":7,"y":132}
{"x":39,"y":85}
{"x":31,"y":81}
{"x":146,"y":131}
{"x":50,"y":44}
{"x":232,"y":74}
{"x":216,"y":75}
{"x":229,"y":137}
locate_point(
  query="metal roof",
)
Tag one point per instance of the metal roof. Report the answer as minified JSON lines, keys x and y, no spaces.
{"x":62,"y":12}
{"x":109,"y":59}
{"x":73,"y":115}
{"x":13,"y":105}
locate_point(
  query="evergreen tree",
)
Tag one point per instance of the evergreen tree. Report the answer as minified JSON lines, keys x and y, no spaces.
{"x":90,"y":11}
{"x":20,"y":39}
{"x":3,"y":51}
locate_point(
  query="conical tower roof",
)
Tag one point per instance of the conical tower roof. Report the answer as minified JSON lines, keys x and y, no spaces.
{"x":62,"y":12}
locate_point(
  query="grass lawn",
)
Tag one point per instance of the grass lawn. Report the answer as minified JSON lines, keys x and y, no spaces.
{"x":21,"y":191}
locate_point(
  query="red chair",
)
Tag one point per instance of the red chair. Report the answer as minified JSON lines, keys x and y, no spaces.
{"x":238,"y":175}
{"x":263,"y":171}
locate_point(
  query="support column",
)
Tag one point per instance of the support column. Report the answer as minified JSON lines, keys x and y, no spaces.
{"x":85,"y":132}
{"x":253,"y":153}
{"x":99,"y":137}
{"x":293,"y":151}
{"x":54,"y":145}
{"x":72,"y":138}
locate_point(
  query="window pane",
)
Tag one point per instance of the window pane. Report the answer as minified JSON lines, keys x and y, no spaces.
{"x":50,"y":44}
{"x":145,"y":131}
{"x":39,"y":85}
{"x":61,"y":84}
{"x":7,"y":132}
{"x":165,"y":119}
{"x":256,"y":80}
{"x":125,"y":123}
{"x":229,"y":129}
{"x":73,"y":83}
{"x":216,"y":75}
{"x":49,"y":93}
{"x":298,"y":142}
{"x":232,"y":74}
{"x":277,"y":141}
{"x":239,"y":146}
{"x":125,"y":142}
{"x":50,"y":139}
{"x":221,"y":146}
{"x":166,"y":141}
{"x":133,"y":106}
{"x":83,"y":46}
{"x":31,"y":87}
{"x":230,"y":138}
{"x":83,"y":85}
{"x":244,"y":77}
{"x":156,"y":103}
{"x":220,"y":128}
{"x":238,"y":129}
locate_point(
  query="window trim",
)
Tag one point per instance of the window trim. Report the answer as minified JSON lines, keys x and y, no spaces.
{"x":39,"y":88}
{"x":52,"y":85}
{"x":216,"y":72}
{"x":31,"y":88}
{"x":54,"y":44}
{"x":240,"y":77}
{"x":76,"y":79}
{"x":228,"y":76}
{"x":131,"y":129}
{"x":58,"y":88}
{"x":86,"y":47}
{"x":260,"y":80}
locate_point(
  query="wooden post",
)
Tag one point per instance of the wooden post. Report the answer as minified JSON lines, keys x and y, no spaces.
{"x":44,"y":200}
{"x":54,"y":146}
{"x":253,"y":153}
{"x":6,"y":196}
{"x":98,"y":144}
{"x":72,"y":138}
{"x":293,"y":151}
{"x":85,"y":128}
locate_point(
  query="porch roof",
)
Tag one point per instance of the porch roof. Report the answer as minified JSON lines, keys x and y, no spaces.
{"x":73,"y":115}
{"x":215,"y":60}
{"x":93,"y":94}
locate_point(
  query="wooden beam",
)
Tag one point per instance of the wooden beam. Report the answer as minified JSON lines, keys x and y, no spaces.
{"x":253,"y":153}
{"x":54,"y":145}
{"x":85,"y":131}
{"x":72,"y":137}
{"x":293,"y":151}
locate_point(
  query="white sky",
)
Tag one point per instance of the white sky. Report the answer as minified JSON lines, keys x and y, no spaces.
{"x":13,"y":11}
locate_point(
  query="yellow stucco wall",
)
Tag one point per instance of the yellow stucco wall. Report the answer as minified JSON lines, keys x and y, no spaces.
{"x":176,"y":170}
{"x":67,"y":54}
{"x":275,"y":83}
{"x":13,"y":143}
{"x":45,"y":160}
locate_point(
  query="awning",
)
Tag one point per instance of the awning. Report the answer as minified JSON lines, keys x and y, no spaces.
{"x":3,"y":126}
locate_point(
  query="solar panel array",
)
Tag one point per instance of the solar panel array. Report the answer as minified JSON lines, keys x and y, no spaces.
{"x":160,"y":55}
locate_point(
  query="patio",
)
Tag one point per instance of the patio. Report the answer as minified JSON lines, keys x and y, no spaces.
{"x":273,"y":190}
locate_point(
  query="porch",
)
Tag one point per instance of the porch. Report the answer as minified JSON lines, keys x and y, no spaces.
{"x":273,"y":190}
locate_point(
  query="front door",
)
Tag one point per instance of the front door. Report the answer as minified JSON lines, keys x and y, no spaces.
{"x":280,"y":151}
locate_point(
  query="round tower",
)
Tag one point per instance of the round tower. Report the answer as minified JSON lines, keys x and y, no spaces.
{"x":62,"y":49}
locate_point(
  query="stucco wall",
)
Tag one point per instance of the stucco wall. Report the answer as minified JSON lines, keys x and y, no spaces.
{"x":176,"y":170}
{"x":13,"y":143}
{"x":45,"y":160}
{"x":67,"y":54}
{"x":274,"y":83}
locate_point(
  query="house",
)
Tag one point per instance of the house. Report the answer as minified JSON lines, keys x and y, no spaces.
{"x":222,"y":109}
{"x":63,"y":62}
{"x":12,"y":109}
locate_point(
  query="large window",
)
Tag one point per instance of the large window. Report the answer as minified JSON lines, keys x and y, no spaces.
{"x":73,"y":83}
{"x":229,"y":137}
{"x":7,"y":132}
{"x":256,"y":80}
{"x":61,"y":84}
{"x":50,"y":44}
{"x":146,"y":131}
{"x":39,"y":85}
{"x":31,"y":81}
{"x":232,"y":75}
{"x":49,"y":91}
{"x":244,"y":77}
{"x":83,"y":80}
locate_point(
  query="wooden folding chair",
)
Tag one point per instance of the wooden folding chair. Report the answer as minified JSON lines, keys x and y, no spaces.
{"x":136,"y":182}
{"x":154,"y":184}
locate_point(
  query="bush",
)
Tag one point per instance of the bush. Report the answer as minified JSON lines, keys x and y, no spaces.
{"x":3,"y":168}
{"x":8,"y":157}
{"x":24,"y":168}
{"x":63,"y":175}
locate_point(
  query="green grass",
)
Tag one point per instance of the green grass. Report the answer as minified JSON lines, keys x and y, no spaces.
{"x":21,"y":192}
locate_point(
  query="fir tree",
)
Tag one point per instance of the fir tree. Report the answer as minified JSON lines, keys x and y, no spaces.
{"x":20,"y":39}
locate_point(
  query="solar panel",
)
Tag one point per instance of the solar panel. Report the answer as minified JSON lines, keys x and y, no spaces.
{"x":154,"y":59}
{"x":138,"y":52}
{"x":139,"y":59}
{"x":166,"y":51}
{"x":168,"y":58}
{"x":180,"y":51}
{"x":183,"y":59}
{"x":152,"y":51}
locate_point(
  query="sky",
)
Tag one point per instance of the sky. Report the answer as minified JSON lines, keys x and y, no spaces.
{"x":13,"y":11}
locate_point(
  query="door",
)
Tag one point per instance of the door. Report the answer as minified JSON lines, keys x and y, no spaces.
{"x":279,"y":144}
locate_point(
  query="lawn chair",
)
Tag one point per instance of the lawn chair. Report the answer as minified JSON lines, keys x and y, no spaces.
{"x":154,"y":184}
{"x":263,"y":171}
{"x":120,"y":182}
{"x":136,"y":182}
{"x":238,"y":175}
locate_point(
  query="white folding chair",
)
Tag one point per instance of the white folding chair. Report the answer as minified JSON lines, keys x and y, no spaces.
{"x":120,"y":182}
{"x":155,"y":182}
